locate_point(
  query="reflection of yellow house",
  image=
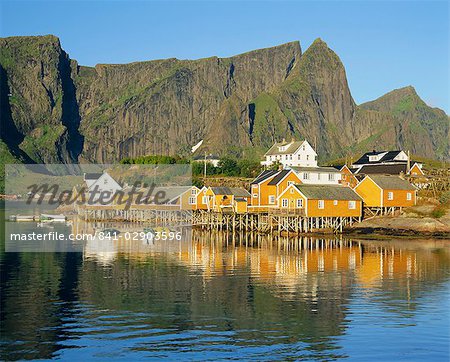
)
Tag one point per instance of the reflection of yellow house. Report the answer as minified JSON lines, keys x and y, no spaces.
{"x":269,"y":184}
{"x":386,"y":191}
{"x":378,"y":266}
{"x":321,"y":200}
{"x":227,"y":199}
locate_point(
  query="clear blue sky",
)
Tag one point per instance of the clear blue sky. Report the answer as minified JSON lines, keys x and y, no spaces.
{"x":383,"y":45}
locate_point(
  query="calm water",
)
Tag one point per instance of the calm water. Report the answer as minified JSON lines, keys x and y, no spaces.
{"x":231,"y":297}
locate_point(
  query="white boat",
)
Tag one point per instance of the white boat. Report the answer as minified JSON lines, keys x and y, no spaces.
{"x":23,"y":218}
{"x":54,"y":218}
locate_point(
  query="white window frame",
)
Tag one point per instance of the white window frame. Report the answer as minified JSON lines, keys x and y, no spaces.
{"x":305,"y":176}
{"x":352,"y":204}
{"x":300,"y":203}
{"x":321,"y":204}
{"x":331,"y":177}
{"x":255,"y":196}
{"x":192,"y":200}
{"x":335,"y":202}
{"x":390,"y":196}
{"x":271,"y":199}
{"x":204,"y":199}
{"x":284,"y":203}
{"x":408,"y":196}
{"x":193,"y":192}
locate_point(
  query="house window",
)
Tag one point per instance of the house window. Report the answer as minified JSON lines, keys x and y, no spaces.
{"x":305,"y":176}
{"x":193,"y":192}
{"x":307,"y":157}
{"x":303,"y":148}
{"x":192,"y":200}
{"x":205,"y":199}
{"x":292,"y":190}
{"x":271,"y":199}
{"x":409,"y":196}
{"x":321,"y":204}
{"x":315,"y":158}
{"x":318,"y":176}
{"x":352,"y":204}
{"x":290,"y":157}
{"x":390,"y":196}
{"x":335,"y":202}
{"x":299,"y":157}
{"x":300,"y":203}
{"x":255,"y":196}
{"x":331,"y":177}
{"x":284,"y":203}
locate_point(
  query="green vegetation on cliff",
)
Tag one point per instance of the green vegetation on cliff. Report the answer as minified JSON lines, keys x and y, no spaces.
{"x":58,"y":111}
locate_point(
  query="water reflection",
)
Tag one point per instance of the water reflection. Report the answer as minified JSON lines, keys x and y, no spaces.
{"x":223,"y":295}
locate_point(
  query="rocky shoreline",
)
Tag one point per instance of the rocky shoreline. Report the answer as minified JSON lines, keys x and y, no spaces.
{"x":411,"y":226}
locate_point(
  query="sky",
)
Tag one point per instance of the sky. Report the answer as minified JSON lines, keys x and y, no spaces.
{"x":383,"y":45}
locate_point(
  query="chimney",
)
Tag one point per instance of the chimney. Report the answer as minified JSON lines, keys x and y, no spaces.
{"x":408,"y":164}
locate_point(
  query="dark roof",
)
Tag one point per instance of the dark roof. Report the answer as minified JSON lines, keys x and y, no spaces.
{"x":389,"y":156}
{"x":236,"y":191}
{"x":264,"y":176}
{"x":315,"y":169}
{"x":281,"y":175}
{"x":92,"y":176}
{"x":328,"y":192}
{"x":386,"y":169}
{"x":391,"y":182}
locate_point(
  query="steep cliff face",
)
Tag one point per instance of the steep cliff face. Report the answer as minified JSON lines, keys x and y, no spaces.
{"x":422,"y":129}
{"x":165,"y":107}
{"x":39,"y":109}
{"x":54,"y":110}
{"x":314,"y":102}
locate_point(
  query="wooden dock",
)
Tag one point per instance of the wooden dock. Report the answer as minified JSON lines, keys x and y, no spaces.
{"x":272,"y":221}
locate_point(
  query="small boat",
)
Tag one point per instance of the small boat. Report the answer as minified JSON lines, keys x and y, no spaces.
{"x":55,"y":218}
{"x":24,"y":218}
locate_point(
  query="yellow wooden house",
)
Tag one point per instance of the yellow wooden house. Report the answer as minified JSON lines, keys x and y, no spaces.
{"x":348,"y":178}
{"x":227,"y":199}
{"x":386,"y":191}
{"x":416,"y":170}
{"x":202,"y":199}
{"x":269,"y":184}
{"x":321,"y":201}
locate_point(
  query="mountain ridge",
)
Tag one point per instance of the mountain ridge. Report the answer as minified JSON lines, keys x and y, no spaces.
{"x":59,"y":111}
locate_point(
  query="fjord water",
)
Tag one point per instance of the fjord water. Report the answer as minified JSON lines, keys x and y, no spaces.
{"x":228,"y":296}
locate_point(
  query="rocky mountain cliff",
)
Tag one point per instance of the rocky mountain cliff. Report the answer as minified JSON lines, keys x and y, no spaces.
{"x":54,"y":110}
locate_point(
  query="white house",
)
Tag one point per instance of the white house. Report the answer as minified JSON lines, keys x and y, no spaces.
{"x":318,"y":175}
{"x":97,"y":183}
{"x":294,"y":153}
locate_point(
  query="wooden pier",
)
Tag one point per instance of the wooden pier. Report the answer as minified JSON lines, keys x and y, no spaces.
{"x":270,"y":222}
{"x":274,"y":221}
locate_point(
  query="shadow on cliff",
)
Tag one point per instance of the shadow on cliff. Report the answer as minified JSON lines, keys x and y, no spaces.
{"x":70,"y":112}
{"x":8,"y":130}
